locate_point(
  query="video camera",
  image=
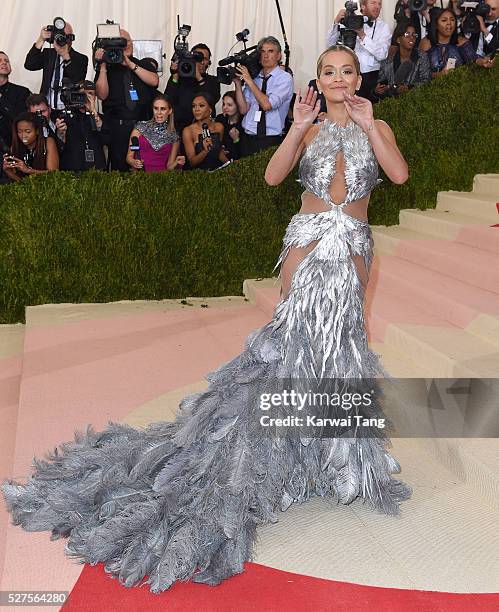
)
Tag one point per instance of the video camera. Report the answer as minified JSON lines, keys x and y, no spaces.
{"x":249,"y":57}
{"x":469,"y":21}
{"x":350,"y":22}
{"x":186,"y":61}
{"x":72,"y":95}
{"x":110,"y":39}
{"x":57,"y":33}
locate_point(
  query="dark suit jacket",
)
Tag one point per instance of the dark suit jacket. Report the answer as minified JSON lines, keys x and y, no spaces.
{"x":44,"y":59}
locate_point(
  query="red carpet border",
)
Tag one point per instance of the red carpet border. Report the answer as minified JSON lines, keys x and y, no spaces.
{"x":266,"y":589}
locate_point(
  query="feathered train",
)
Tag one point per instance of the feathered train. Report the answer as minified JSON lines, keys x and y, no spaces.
{"x":183,"y":500}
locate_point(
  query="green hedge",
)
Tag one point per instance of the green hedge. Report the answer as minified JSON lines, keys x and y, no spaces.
{"x":104,"y":237}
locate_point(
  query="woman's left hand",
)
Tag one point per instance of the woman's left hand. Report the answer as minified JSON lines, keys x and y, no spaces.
{"x":359,"y":109}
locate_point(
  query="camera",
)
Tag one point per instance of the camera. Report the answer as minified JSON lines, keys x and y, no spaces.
{"x":249,"y":57}
{"x":186,"y":61}
{"x":416,"y":6}
{"x":469,"y":21}
{"x":57,"y":34}
{"x":72,"y":95}
{"x":350,"y":22}
{"x":110,"y":39}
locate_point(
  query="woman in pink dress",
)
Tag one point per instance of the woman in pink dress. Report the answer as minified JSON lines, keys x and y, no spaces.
{"x":158,"y":141}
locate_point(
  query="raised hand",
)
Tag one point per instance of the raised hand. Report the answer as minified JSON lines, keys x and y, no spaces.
{"x":359,"y":109}
{"x":306,"y":107}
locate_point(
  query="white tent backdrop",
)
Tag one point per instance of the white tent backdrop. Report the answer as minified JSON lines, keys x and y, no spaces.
{"x":213,"y":22}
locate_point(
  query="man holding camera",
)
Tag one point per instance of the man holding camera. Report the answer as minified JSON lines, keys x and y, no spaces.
{"x":486,"y":42}
{"x":126,"y":90}
{"x":38,"y":104}
{"x":264,"y":101}
{"x":420,"y":18}
{"x":371,"y":46}
{"x":80,"y":128}
{"x":61,"y":61}
{"x":181,"y":90}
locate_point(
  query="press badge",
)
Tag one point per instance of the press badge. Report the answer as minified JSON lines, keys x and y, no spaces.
{"x":258,"y":115}
{"x":89,"y":156}
{"x":134,"y":96}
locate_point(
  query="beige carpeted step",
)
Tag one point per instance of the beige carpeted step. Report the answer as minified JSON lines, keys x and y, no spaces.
{"x":387,"y":238}
{"x":447,"y":352}
{"x":479,"y":205}
{"x":444,"y":225}
{"x":487,"y":183}
{"x":437,"y":294}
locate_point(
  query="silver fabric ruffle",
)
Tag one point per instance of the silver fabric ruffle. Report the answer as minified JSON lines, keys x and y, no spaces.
{"x":157,"y":134}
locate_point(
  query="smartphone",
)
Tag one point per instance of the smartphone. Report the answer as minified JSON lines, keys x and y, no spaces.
{"x":451,"y":63}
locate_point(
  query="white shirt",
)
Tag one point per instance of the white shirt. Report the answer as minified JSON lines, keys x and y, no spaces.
{"x":488,"y":38}
{"x":372,"y":49}
{"x":279,"y":93}
{"x":51,"y":93}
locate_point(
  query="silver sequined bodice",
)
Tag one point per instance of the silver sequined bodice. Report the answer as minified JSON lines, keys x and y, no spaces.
{"x":317,"y":166}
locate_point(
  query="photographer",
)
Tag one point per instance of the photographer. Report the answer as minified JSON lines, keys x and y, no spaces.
{"x":38,"y":104}
{"x":81,"y":130}
{"x":264,"y":101}
{"x":486,"y":42}
{"x":371,"y":45}
{"x":12,"y":99}
{"x":420,"y":19}
{"x":182,"y":90}
{"x":407,"y":68}
{"x":126,"y":90}
{"x":61,"y":61}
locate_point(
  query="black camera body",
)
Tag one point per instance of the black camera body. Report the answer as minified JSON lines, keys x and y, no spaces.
{"x":109,"y":39}
{"x":72,"y":96}
{"x":250,"y":58}
{"x":350,"y":22}
{"x":114,"y":49}
{"x":57,"y":33}
{"x":186,"y":60}
{"x":469,"y":21}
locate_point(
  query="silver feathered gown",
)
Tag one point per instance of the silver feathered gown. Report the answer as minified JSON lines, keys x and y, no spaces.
{"x":182,"y":500}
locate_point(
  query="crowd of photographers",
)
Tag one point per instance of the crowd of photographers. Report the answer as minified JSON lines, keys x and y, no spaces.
{"x":142,"y":129}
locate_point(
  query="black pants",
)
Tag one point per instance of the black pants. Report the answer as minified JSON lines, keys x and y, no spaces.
{"x":252,"y":144}
{"x":119,"y":136}
{"x":369,"y":82}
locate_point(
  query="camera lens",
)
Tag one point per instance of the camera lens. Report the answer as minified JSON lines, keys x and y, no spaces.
{"x":59,"y":23}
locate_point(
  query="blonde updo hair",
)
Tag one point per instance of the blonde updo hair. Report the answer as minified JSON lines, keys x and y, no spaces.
{"x":344,"y":48}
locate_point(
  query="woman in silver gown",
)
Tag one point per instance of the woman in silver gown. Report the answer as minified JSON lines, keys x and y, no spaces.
{"x":182,"y":500}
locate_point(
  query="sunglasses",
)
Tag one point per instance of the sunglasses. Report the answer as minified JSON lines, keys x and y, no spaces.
{"x":410,"y":35}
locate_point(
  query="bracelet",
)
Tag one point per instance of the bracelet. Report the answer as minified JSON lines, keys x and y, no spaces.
{"x":136,"y":67}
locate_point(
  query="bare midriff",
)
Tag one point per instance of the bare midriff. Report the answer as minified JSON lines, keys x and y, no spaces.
{"x":310,"y":203}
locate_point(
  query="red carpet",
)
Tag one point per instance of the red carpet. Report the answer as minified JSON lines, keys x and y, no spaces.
{"x":265,"y":589}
